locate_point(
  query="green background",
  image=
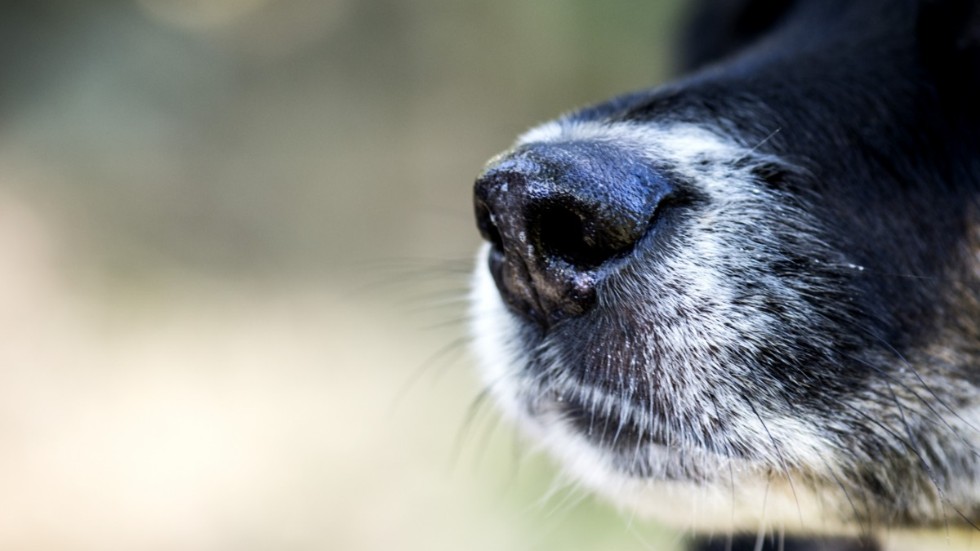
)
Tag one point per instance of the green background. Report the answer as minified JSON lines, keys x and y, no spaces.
{"x":234,"y":244}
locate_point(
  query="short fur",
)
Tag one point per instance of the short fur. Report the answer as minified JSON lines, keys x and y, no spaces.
{"x":793,"y":344}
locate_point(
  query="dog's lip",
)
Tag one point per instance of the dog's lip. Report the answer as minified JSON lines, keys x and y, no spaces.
{"x":611,"y":430}
{"x":628,"y":448}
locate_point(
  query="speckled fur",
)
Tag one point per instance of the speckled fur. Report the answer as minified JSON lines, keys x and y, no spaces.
{"x":753,"y":364}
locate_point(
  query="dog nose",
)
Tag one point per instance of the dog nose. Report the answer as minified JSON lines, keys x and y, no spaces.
{"x":557,"y":216}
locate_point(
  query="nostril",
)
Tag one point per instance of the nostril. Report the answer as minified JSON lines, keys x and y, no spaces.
{"x":578,"y":234}
{"x":566,"y":234}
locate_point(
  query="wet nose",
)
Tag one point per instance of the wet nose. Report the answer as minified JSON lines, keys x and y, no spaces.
{"x":557,"y":216}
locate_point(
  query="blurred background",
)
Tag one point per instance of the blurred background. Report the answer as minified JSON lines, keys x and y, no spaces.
{"x":234,"y":237}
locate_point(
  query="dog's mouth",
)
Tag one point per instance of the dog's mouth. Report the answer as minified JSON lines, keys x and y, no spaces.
{"x":627,"y":442}
{"x":609,"y":426}
{"x":621,"y":413}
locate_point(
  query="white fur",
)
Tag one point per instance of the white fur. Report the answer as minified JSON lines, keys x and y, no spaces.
{"x":775,"y":489}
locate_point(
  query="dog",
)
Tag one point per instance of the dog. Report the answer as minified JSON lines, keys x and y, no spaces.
{"x":747,"y":302}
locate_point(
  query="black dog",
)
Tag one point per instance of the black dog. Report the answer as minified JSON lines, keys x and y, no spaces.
{"x":749,"y":301}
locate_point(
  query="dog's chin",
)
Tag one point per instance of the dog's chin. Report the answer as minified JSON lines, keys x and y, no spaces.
{"x":691,"y":488}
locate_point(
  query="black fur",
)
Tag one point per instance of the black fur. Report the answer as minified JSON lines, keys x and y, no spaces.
{"x":863,"y":118}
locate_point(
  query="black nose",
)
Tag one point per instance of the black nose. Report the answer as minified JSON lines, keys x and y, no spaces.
{"x":557,"y":215}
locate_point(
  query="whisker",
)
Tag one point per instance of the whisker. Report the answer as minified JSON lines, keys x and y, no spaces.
{"x":472,"y":412}
{"x":446,"y":355}
{"x":754,"y":148}
{"x":779,"y":454}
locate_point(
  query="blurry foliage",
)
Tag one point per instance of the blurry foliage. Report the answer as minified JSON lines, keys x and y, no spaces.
{"x":264,"y":136}
{"x":273,"y":139}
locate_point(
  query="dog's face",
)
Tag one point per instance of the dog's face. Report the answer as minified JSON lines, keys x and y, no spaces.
{"x":753,"y":295}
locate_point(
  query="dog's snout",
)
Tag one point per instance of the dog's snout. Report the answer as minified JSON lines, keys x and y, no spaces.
{"x":556,"y":215}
